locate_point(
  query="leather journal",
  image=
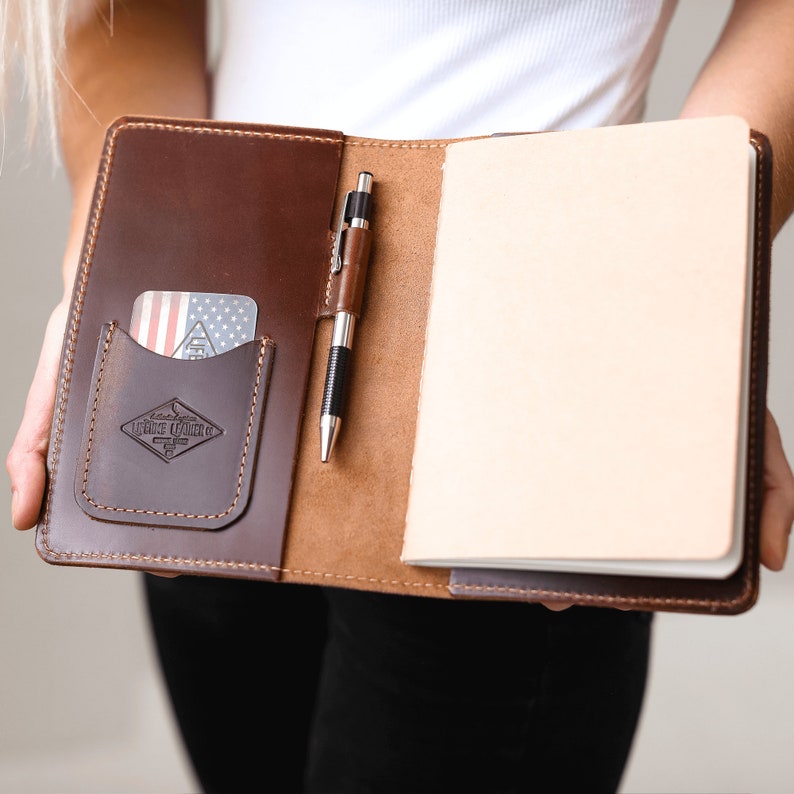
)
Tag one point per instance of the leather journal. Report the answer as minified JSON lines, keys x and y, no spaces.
{"x":556,"y":391}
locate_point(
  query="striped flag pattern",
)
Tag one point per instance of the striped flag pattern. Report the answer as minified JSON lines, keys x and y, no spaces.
{"x":192,"y":325}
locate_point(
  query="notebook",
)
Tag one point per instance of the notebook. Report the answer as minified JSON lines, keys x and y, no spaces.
{"x":583,"y":401}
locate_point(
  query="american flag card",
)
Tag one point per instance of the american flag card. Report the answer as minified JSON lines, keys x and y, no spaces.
{"x":192,"y":325}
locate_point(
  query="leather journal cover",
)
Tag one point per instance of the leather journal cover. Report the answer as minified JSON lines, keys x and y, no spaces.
{"x":209,"y":463}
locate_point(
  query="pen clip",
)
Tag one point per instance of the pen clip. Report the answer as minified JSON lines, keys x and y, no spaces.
{"x":336,"y":256}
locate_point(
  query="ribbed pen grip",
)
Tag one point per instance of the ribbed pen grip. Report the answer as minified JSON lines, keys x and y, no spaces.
{"x":338,"y":357}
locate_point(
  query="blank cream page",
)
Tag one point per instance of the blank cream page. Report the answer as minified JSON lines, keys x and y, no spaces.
{"x":583,"y":365}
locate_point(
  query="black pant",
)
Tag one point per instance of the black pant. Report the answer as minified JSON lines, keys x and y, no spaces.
{"x":282,"y":688}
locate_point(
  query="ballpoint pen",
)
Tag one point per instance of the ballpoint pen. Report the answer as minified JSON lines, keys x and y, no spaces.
{"x":356,"y":211}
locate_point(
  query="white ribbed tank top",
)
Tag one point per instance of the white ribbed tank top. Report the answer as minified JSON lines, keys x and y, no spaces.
{"x":437,"y":68}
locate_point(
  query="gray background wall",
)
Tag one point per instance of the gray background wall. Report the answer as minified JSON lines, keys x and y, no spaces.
{"x":82,"y":708}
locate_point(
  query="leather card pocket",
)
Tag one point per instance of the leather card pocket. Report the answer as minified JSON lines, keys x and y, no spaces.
{"x":168,"y":442}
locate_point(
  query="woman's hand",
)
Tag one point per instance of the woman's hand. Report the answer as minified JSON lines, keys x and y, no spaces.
{"x":26,"y":461}
{"x":777,"y":511}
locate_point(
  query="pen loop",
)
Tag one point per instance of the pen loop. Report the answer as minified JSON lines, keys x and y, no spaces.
{"x":336,"y":258}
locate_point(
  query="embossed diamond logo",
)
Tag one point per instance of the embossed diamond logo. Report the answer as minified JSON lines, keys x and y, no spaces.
{"x":171,"y":429}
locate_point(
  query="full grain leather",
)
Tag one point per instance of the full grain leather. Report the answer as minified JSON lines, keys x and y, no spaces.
{"x":169,"y":442}
{"x":203,"y":207}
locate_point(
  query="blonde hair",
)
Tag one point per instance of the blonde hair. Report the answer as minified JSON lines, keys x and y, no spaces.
{"x":31,"y":41}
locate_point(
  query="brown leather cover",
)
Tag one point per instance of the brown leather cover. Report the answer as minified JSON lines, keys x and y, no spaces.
{"x":248,"y":209}
{"x":207,"y":208}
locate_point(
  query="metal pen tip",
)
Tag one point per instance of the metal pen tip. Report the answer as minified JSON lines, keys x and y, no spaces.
{"x":328,"y":427}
